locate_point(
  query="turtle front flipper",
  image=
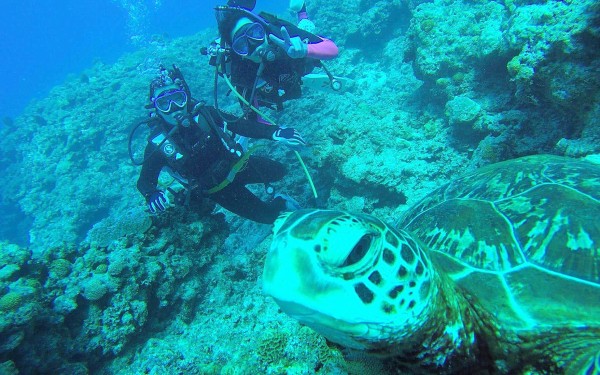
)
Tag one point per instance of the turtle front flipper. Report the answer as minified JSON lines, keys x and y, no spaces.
{"x":557,"y":350}
{"x":367,"y":286}
{"x":588,"y":360}
{"x":590,"y":364}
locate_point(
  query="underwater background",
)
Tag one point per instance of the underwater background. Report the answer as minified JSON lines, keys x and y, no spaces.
{"x":89,"y":283}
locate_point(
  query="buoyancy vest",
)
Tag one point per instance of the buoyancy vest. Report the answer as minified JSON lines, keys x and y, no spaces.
{"x":281,"y":78}
{"x":210,"y":145}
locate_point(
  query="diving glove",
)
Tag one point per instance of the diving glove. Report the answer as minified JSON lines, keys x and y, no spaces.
{"x":294,"y":47}
{"x":289,"y":136}
{"x":290,"y":203}
{"x":157,"y":202}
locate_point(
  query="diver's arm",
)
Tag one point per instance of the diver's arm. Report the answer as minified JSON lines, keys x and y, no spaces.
{"x":153,"y":164}
{"x":243,"y":127}
{"x":326,"y":49}
{"x":253,"y":129}
{"x":259,"y":130}
{"x":296,"y":48}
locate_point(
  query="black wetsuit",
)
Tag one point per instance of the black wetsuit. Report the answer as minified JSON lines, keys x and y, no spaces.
{"x":197,"y":154}
{"x":282,"y":78}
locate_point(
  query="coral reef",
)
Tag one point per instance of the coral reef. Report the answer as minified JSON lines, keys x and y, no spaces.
{"x":462,"y":110}
{"x":20,"y":295}
{"x":111,"y":228}
{"x":253,"y":337}
{"x":435,"y":88}
{"x":83,"y":134}
{"x":453,"y":37}
{"x":101,"y":296}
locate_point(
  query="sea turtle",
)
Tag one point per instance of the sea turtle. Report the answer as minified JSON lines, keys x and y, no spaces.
{"x":495,"y":272}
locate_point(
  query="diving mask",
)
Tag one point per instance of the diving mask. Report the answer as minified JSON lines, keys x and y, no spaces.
{"x":247,"y":38}
{"x":165,"y":101}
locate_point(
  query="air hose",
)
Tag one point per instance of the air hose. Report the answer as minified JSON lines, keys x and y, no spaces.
{"x":266,"y":118}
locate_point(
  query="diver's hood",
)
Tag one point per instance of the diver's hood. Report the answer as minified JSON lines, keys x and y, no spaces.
{"x":246,"y":4}
{"x":227,"y":17}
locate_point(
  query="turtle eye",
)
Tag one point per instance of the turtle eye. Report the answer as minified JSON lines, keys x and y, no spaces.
{"x":359,"y":250}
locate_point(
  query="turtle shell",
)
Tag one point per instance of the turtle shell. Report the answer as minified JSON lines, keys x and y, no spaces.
{"x":522,"y":236}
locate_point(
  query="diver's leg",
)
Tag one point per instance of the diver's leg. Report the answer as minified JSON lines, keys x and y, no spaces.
{"x":238,"y":199}
{"x":260,"y":170}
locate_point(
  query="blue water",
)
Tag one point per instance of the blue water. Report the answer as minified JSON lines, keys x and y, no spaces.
{"x":43,"y":41}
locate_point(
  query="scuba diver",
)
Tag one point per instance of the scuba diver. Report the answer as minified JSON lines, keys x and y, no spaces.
{"x":263,"y":58}
{"x":195,"y":143}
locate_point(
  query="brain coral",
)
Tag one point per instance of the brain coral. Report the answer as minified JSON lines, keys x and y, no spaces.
{"x":94,"y":289}
{"x":60,"y":268}
{"x":461,"y":110}
{"x":134,"y":221}
{"x":11,"y":301}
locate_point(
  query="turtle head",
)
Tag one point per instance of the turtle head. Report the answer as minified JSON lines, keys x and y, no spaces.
{"x":350,"y":277}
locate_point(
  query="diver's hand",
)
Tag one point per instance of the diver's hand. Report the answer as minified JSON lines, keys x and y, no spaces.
{"x":294,"y":47}
{"x":157,"y":202}
{"x":289,"y":137}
